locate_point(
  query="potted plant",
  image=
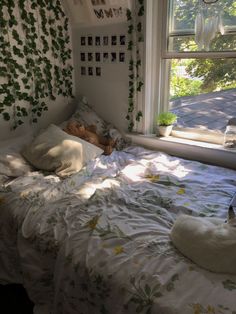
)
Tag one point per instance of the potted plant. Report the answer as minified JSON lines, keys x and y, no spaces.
{"x":165,"y":121}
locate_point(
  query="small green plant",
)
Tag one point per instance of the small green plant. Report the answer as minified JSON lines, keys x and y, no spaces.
{"x":166,"y":118}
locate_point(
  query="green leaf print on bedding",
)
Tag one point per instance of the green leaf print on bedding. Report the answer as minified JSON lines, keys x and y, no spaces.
{"x":143,"y":295}
{"x":229,"y":285}
{"x":171,"y":284}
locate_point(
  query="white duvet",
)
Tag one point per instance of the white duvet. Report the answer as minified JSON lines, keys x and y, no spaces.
{"x":98,"y":242}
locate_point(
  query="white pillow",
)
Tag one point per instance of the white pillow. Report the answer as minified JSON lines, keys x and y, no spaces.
{"x":55,"y":150}
{"x":13,"y":165}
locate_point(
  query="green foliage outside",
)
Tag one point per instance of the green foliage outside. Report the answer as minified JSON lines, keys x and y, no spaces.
{"x":203,"y":75}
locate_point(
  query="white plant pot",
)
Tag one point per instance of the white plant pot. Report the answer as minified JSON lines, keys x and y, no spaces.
{"x":164,"y":130}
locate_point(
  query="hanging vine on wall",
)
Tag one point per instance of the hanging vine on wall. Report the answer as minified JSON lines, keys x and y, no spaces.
{"x":135,"y":32}
{"x":35,"y":58}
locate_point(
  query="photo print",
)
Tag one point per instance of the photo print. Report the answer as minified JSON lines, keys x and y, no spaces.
{"x":113,"y":57}
{"x":82,"y":41}
{"x":97,"y":56}
{"x":122,"y":40}
{"x":105,"y":40}
{"x":90,"y":71}
{"x":98,"y":71}
{"x":97,"y":41}
{"x":82,"y":56}
{"x":105,"y":57}
{"x":113,"y":40}
{"x":98,"y":2}
{"x":90,"y":56}
{"x":83,"y":70}
{"x":90,"y":40}
{"x":122,"y":57}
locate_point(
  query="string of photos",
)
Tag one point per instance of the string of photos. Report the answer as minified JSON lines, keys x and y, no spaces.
{"x":135,"y":46}
{"x":35,"y":59}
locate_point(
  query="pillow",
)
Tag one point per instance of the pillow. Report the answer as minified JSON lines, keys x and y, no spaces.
{"x":13,"y":165}
{"x":55,"y":150}
{"x":86,"y":116}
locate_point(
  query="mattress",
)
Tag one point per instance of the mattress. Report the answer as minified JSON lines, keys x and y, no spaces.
{"x":98,"y":241}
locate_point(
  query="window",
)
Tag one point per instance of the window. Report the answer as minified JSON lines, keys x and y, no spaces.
{"x":196,"y":63}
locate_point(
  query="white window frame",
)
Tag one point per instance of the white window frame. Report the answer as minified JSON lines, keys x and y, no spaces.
{"x":156,"y":95}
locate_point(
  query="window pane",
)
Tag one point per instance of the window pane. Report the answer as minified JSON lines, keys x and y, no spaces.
{"x":196,"y":26}
{"x":203,"y":92}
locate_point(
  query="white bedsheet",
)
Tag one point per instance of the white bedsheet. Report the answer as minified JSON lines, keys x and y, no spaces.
{"x":98,"y":242}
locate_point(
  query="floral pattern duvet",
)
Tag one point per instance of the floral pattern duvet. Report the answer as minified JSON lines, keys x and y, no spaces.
{"x":98,"y":242}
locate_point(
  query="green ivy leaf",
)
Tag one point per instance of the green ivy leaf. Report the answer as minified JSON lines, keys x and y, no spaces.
{"x":6,"y":116}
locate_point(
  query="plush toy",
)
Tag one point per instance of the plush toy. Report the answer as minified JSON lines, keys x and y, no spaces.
{"x":89,"y":134}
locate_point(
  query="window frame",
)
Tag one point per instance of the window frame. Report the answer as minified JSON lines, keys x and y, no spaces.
{"x":157,"y":60}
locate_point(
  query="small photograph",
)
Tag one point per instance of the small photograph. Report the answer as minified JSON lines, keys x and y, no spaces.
{"x":113,"y":56}
{"x":122,"y":57}
{"x":82,"y":56}
{"x":113,"y":40}
{"x":105,"y":57}
{"x":97,"y":41}
{"x":98,"y":2}
{"x":122,"y":40}
{"x":83,"y":70}
{"x":98,"y":71}
{"x":90,"y":40}
{"x":105,"y":40}
{"x":82,"y":41}
{"x":90,"y":56}
{"x":97,"y":56}
{"x":90,"y":71}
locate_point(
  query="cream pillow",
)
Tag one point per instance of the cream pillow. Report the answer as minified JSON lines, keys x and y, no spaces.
{"x":13,"y":165}
{"x":55,"y":150}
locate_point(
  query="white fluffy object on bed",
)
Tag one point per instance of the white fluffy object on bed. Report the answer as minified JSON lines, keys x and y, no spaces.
{"x":55,"y":150}
{"x":208,"y":242}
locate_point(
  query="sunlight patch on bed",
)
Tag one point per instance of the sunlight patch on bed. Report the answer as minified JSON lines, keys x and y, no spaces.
{"x":88,"y":189}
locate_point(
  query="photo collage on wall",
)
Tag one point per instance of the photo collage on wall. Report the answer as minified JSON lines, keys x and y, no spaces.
{"x":97,"y":50}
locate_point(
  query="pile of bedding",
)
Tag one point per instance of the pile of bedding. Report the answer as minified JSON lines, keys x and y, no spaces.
{"x":98,"y":241}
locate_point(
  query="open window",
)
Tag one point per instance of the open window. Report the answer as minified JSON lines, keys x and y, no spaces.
{"x":198,"y":65}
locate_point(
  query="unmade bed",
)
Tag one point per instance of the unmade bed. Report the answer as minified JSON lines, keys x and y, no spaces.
{"x":98,"y":241}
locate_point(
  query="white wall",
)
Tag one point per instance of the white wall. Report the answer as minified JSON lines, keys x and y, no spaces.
{"x":108,"y":94}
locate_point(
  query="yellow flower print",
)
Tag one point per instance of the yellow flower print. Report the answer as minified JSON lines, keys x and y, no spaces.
{"x":93,"y":222}
{"x":197,"y":308}
{"x":2,"y":200}
{"x":24,"y":194}
{"x":118,"y":250}
{"x":210,"y":310}
{"x":186,"y":204}
{"x":181,"y":191}
{"x":153,"y":178}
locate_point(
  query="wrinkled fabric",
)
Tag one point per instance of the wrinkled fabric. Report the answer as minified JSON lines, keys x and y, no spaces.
{"x":98,"y":242}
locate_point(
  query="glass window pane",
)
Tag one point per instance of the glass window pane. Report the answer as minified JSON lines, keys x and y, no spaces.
{"x":201,"y":26}
{"x":203,"y":92}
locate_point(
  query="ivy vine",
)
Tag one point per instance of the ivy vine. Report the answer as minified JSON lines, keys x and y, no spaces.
{"x":135,"y":32}
{"x":35,"y":58}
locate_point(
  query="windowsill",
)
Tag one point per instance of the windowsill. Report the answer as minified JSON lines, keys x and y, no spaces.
{"x":210,"y":153}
